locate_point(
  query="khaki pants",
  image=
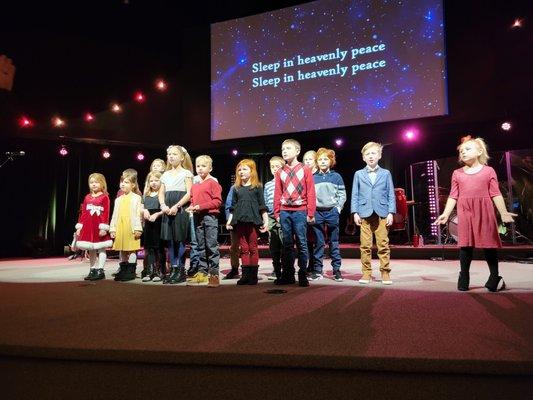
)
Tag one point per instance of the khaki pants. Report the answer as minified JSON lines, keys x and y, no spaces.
{"x":377,"y":226}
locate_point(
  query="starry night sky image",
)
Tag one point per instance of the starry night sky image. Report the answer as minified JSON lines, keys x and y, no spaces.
{"x":409,"y":83}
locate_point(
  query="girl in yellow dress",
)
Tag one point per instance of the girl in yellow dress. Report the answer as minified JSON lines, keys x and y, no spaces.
{"x":126,"y":227}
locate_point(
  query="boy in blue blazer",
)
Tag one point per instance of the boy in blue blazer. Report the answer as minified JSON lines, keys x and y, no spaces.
{"x":373,"y":204}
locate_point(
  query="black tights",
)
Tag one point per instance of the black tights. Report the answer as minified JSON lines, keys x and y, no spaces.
{"x":491,"y":256}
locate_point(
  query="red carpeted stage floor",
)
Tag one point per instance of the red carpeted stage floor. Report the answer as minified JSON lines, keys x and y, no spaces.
{"x":63,"y":337}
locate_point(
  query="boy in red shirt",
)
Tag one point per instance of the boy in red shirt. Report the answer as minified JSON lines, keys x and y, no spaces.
{"x":294,"y":208}
{"x":206,"y":199}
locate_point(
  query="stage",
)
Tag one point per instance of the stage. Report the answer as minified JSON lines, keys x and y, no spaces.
{"x":416,"y":338}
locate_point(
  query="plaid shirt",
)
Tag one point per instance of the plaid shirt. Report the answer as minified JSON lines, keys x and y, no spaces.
{"x":294,"y":190}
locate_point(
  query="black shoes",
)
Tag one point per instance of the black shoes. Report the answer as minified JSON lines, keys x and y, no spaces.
{"x":463,"y":282}
{"x":495,"y":283}
{"x":233,"y":274}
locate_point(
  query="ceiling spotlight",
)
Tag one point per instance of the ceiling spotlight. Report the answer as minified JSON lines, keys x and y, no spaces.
{"x":139,"y":156}
{"x":410,"y":135}
{"x":25,"y":122}
{"x":139,"y":97}
{"x":518,"y":23}
{"x":63,"y":151}
{"x":234,"y":152}
{"x":58,"y":122}
{"x":88,"y":117}
{"x":115,"y":107}
{"x":160,"y":85}
{"x":106,"y":154}
{"x":339,"y":142}
{"x":506,"y":126}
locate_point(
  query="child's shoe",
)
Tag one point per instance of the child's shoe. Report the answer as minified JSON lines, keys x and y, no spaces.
{"x":495,"y":283}
{"x":178,"y":275}
{"x":202,"y":278}
{"x":315,"y":276}
{"x":122,"y":268}
{"x":193,"y":269}
{"x":233,"y":274}
{"x":366,"y":278}
{"x":463,"y":282}
{"x":302,"y":279}
{"x":337,"y":276}
{"x":245,"y":278}
{"x":385,"y":278}
{"x":214,"y":281}
{"x":129,"y":273}
{"x":98,"y":275}
{"x":287,"y":278}
{"x":92,"y":272}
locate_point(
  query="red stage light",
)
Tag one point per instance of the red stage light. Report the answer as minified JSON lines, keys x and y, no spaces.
{"x":139,"y":97}
{"x":89,"y":117}
{"x":410,"y":135}
{"x":115,"y":107}
{"x":63,"y":151}
{"x":25,"y":122}
{"x":106,"y":154}
{"x":518,"y":23}
{"x":161,"y":85}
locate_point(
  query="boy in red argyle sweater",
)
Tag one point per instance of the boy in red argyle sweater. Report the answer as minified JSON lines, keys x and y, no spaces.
{"x":294,"y":208}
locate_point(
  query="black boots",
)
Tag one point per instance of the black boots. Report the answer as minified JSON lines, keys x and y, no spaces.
{"x":463,"y":282}
{"x":287,"y":277}
{"x":177,"y":275}
{"x":233,"y":274}
{"x":302,"y":278}
{"x":495,"y":283}
{"x":122,"y":269}
{"x":249,"y":275}
{"x":95,"y":274}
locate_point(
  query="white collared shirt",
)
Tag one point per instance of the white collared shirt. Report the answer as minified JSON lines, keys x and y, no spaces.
{"x":372,"y":173}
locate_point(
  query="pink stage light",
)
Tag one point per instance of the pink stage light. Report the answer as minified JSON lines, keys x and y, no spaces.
{"x":506,"y":126}
{"x":25,"y":122}
{"x":339,"y":142}
{"x":63,"y":151}
{"x":115,"y":107}
{"x":234,"y":152}
{"x":410,"y":135}
{"x":139,"y":97}
{"x":160,"y":85}
{"x":139,"y":156}
{"x":106,"y":154}
{"x":88,"y":117}
{"x":518,"y":23}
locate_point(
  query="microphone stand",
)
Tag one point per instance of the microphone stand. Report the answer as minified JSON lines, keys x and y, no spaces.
{"x":10,"y":157}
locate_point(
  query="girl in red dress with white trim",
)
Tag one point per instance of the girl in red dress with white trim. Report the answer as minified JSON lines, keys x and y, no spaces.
{"x":92,"y":229}
{"x":474,"y":189}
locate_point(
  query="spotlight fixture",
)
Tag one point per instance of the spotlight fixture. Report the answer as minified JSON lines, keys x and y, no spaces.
{"x":139,"y":97}
{"x":88,"y":117}
{"x":115,"y":107}
{"x":25,"y":122}
{"x":139,"y":156}
{"x":63,"y":151}
{"x":339,"y":142}
{"x":518,"y":23}
{"x":106,"y":154}
{"x":160,"y":85}
{"x":506,"y":126}
{"x":58,"y":122}
{"x":410,"y":135}
{"x":234,"y":152}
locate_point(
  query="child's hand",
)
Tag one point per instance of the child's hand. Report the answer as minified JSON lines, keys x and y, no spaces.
{"x":137,"y":234}
{"x":441,"y":220}
{"x":78,"y":232}
{"x":507,"y":217}
{"x":390,"y":219}
{"x":310,"y":220}
{"x":263,"y":228}
{"x":146,"y":214}
{"x":112,"y":234}
{"x":102,"y":232}
{"x":229,"y":227}
{"x":152,"y":218}
{"x":165,"y":209}
{"x":357,"y":219}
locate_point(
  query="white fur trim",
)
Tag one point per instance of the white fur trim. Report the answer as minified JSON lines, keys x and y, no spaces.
{"x":84,"y":245}
{"x":79,"y":226}
{"x":104,"y":227}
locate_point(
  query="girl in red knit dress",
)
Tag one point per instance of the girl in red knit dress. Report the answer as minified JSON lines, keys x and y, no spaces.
{"x":92,"y":229}
{"x":474,"y":189}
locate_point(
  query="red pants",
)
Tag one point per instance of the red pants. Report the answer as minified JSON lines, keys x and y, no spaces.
{"x":247,"y":234}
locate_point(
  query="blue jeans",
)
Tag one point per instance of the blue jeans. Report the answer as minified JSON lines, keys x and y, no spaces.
{"x":176,"y":253}
{"x":194,"y":255}
{"x":294,"y":225}
{"x":327,"y":220}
